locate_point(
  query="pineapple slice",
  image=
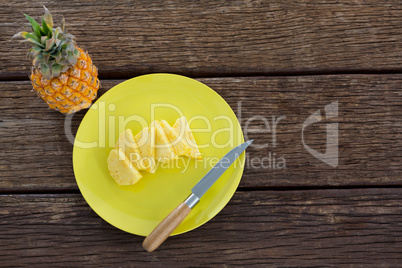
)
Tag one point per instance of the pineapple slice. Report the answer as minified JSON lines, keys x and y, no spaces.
{"x":146,"y":144}
{"x":179,"y":146}
{"x":164,"y":151}
{"x":127,"y":143}
{"x":121,"y":169}
{"x":184,"y":133}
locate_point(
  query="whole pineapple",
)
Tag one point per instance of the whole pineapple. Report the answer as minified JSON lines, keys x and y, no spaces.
{"x":63,"y":74}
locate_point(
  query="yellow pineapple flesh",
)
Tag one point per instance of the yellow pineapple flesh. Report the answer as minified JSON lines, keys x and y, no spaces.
{"x":128,"y":145}
{"x":121,"y":169}
{"x":186,"y":135}
{"x":164,"y":150}
{"x":179,"y":146}
{"x":158,"y":142}
{"x":146,"y":144}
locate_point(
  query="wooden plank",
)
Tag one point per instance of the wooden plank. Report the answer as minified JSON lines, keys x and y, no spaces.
{"x":216,"y":38}
{"x":279,"y":228}
{"x":369,"y":118}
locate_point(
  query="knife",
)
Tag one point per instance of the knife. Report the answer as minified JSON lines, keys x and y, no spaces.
{"x":170,"y":223}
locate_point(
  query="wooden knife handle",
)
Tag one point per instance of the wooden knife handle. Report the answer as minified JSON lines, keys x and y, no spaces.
{"x":166,"y":227}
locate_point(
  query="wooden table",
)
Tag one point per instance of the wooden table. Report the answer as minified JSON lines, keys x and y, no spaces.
{"x":276,"y":58}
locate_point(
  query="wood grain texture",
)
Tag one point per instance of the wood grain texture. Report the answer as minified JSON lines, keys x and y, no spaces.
{"x":369,"y":118}
{"x":337,"y":228}
{"x":166,"y":227}
{"x":128,"y":38}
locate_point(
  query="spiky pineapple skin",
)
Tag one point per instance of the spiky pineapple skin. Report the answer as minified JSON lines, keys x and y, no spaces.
{"x":72,"y":90}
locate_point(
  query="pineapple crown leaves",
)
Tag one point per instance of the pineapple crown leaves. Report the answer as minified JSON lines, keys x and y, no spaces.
{"x":53,"y":50}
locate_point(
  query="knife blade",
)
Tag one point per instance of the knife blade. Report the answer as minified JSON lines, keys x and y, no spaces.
{"x":173,"y":220}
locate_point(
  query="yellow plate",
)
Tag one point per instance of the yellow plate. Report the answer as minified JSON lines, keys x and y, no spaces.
{"x":138,"y":208}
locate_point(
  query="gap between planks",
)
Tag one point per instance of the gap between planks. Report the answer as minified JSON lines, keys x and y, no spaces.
{"x":112,"y":75}
{"x":240,"y":189}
